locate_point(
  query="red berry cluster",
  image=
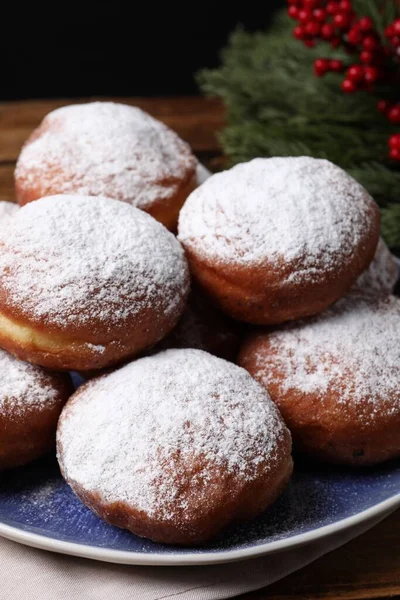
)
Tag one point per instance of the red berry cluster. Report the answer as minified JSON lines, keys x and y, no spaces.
{"x":391,"y":111}
{"x":392,"y":33}
{"x":394,"y":146}
{"x":337,"y":23}
{"x":324,"y":65}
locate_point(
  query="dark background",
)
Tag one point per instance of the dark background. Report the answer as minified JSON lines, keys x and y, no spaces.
{"x":114,"y":48}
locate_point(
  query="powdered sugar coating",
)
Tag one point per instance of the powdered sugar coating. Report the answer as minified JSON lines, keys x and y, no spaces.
{"x":381,"y":275}
{"x":133,"y":436}
{"x":353,"y":348}
{"x":105,"y":149}
{"x":70,"y":261}
{"x":301,"y":211}
{"x":24,"y":386}
{"x":7,"y":209}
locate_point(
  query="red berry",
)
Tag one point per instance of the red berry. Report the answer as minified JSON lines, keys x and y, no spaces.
{"x":321,"y":66}
{"x":341,"y":21}
{"x":348,"y":86}
{"x":383,"y":106}
{"x":389,"y":31}
{"x":293,"y":12}
{"x":305,"y":15}
{"x":395,"y":153}
{"x":310,"y":4}
{"x":336,"y":65}
{"x":394,"y":114}
{"x":299,"y":33}
{"x":319,"y":14}
{"x":336,"y":41}
{"x":332,"y":8}
{"x":369,"y":43}
{"x":366,"y":24}
{"x":371,"y":74}
{"x":327,"y":31}
{"x":396,"y":27}
{"x":367,"y":57}
{"x":309,"y":43}
{"x":312,"y":28}
{"x":345,"y":6}
{"x":354,"y":36}
{"x":394,"y":141}
{"x":355,"y":73}
{"x":395,"y":41}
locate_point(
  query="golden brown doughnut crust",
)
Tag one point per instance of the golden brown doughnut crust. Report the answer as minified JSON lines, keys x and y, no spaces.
{"x":338,"y":424}
{"x":108,"y":149}
{"x":45,"y":345}
{"x":27,"y":429}
{"x":278,"y":239}
{"x":259,"y":297}
{"x":179,"y":493}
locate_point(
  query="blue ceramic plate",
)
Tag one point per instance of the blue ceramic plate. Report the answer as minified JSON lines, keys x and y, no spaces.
{"x":38,"y":508}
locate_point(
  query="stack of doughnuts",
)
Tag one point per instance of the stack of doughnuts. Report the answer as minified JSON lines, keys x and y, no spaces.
{"x":290,"y":280}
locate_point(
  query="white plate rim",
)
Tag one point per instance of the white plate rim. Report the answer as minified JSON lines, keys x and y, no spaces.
{"x":200,"y":558}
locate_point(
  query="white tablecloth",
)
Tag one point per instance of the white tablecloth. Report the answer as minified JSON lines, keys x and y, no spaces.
{"x":30,"y":574}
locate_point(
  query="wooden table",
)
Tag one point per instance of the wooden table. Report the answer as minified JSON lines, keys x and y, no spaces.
{"x":368,"y":567}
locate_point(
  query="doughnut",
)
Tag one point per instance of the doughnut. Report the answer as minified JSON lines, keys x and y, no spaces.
{"x":108,"y":149}
{"x":86,"y":283}
{"x":381,"y":275}
{"x":174,"y":447}
{"x":7,"y":209}
{"x":277,"y":239}
{"x":336,"y":379}
{"x":31,"y":400}
{"x":203,"y":327}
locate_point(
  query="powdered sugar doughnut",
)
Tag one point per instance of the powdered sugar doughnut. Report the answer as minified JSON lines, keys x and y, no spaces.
{"x":203,"y":327}
{"x":336,"y":379}
{"x":7,"y":209}
{"x":280,"y":238}
{"x":85,"y":283}
{"x":174,"y":447}
{"x":381,"y":275}
{"x":31,"y":400}
{"x":108,"y":149}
